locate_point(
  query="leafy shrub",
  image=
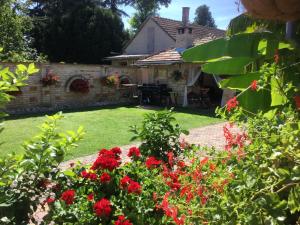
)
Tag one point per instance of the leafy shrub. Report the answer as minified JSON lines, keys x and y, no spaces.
{"x":105,"y":192}
{"x":160,"y":134}
{"x":25,"y":179}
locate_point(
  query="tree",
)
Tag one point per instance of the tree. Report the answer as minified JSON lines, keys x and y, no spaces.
{"x":76,"y":31}
{"x":144,"y":9}
{"x":204,"y":17}
{"x":14,"y":28}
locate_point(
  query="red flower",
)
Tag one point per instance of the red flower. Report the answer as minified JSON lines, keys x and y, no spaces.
{"x":134,"y":152}
{"x":232,"y":103}
{"x":125,"y":181}
{"x":152,"y":162}
{"x":181,"y":164}
{"x":212,"y":167}
{"x":134,"y":188}
{"x":253,"y":85}
{"x":170,"y":158}
{"x":108,"y":159}
{"x":90,"y":197}
{"x":49,"y":200}
{"x":204,"y":161}
{"x":85,"y":174}
{"x":131,"y":186}
{"x":88,"y":175}
{"x":105,"y":178}
{"x":122,"y":221}
{"x":203,"y":200}
{"x":102,"y":208}
{"x":116,"y":150}
{"x":93,"y":176}
{"x":68,"y":196}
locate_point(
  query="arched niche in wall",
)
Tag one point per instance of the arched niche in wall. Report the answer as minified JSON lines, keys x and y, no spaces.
{"x":77,"y":84}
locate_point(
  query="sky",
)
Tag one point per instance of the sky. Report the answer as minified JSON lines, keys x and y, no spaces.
{"x":222,"y":10}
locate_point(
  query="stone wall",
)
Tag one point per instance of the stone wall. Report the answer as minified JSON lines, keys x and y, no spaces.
{"x":36,"y":96}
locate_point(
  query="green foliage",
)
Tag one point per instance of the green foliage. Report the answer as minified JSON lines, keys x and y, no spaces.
{"x":10,"y":82}
{"x":241,"y":58}
{"x":245,"y":23}
{"x":24,"y":179}
{"x":76,"y":31}
{"x":144,"y":9}
{"x":160,"y":134}
{"x":204,"y":17}
{"x":14,"y":32}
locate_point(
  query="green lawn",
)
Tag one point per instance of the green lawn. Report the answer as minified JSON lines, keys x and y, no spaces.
{"x":105,"y":128}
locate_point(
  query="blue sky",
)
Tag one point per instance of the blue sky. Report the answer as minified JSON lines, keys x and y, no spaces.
{"x":222,"y":10}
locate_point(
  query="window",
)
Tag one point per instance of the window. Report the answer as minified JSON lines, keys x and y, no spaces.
{"x":190,"y":30}
{"x":181,"y":31}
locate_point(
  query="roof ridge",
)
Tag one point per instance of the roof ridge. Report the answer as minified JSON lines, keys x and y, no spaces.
{"x":193,"y":24}
{"x":167,"y":19}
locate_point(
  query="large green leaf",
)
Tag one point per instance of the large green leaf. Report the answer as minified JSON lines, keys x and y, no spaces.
{"x":241,"y":45}
{"x":277,"y":97}
{"x":254,"y":101}
{"x":232,"y":66}
{"x":241,"y":82}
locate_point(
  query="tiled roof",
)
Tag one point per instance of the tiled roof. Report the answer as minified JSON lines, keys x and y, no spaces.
{"x":166,"y":57}
{"x":199,"y":32}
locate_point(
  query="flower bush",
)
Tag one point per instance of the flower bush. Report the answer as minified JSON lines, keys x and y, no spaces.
{"x":50,"y":79}
{"x":106,"y":192}
{"x":111,"y":81}
{"x":160,"y":134}
{"x":80,"y":86}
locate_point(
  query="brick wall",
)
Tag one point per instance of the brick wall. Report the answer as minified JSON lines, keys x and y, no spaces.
{"x":34,"y":95}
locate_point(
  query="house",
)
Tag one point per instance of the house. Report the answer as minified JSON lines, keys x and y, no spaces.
{"x":156,"y":50}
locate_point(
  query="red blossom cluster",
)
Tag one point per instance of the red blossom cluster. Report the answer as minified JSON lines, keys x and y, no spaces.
{"x":50,"y":79}
{"x":134,"y":152}
{"x":49,"y":200}
{"x":102,"y":208}
{"x":232,"y":103}
{"x":152,"y":162}
{"x":253,"y":85}
{"x":234,"y":140}
{"x":171,"y":211}
{"x":105,"y":178}
{"x":184,"y":144}
{"x":90,"y":197}
{"x":89,"y":175}
{"x":68,"y":197}
{"x":131,"y":186}
{"x":122,"y":221}
{"x":108,"y":159}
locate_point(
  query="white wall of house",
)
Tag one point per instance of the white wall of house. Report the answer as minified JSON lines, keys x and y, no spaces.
{"x":150,"y":39}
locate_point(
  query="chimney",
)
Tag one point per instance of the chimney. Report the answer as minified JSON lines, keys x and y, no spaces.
{"x":185,"y":15}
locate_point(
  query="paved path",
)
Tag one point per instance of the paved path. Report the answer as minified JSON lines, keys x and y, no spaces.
{"x":211,"y":135}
